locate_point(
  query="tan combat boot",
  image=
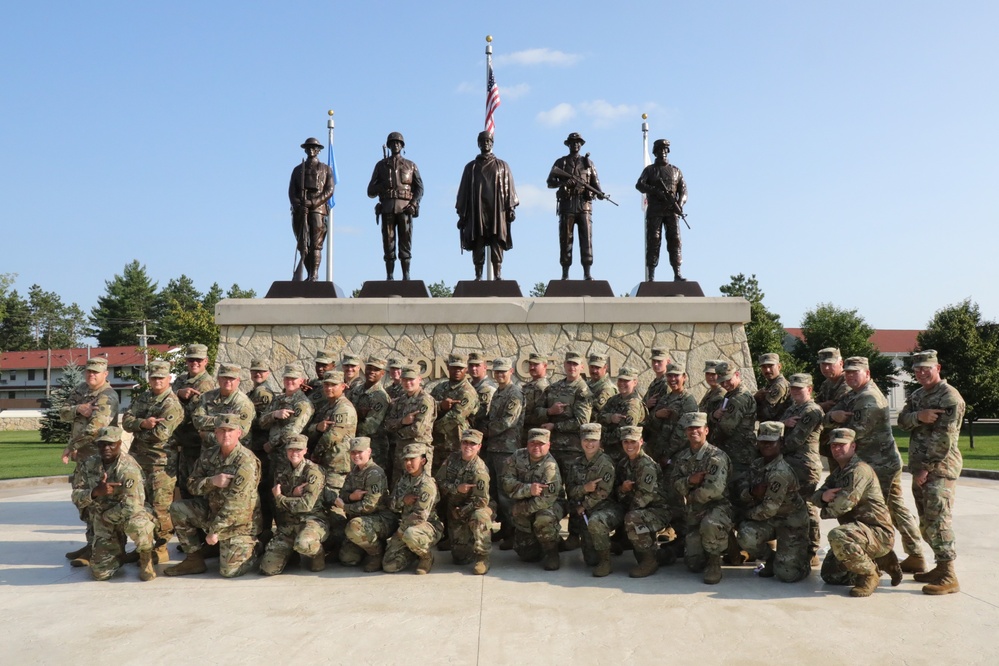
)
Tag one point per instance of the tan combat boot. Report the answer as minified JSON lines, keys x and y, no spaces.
{"x":913,"y":564}
{"x":713,"y":571}
{"x":603,"y":567}
{"x":193,"y":563}
{"x":889,"y":564}
{"x":647,"y":565}
{"x":373,"y":561}
{"x":82,"y":557}
{"x":481,"y":567}
{"x":318,"y":561}
{"x":425,"y":564}
{"x":947,"y":583}
{"x":931,"y":576}
{"x":866,"y":584}
{"x":550,"y":561}
{"x":161,"y":555}
{"x":146,"y":566}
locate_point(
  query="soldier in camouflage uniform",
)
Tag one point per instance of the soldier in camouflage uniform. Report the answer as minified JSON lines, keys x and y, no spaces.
{"x":325,"y":362}
{"x":776,"y":511}
{"x":483,"y":384}
{"x":463,"y":481}
{"x":865,"y":411}
{"x":457,"y":405}
{"x":832,"y":389}
{"x":414,"y":500}
{"x":226,"y":399}
{"x":701,"y":475}
{"x":302,"y":523}
{"x":711,"y":400}
{"x":622,"y":410}
{"x":600,"y":385}
{"x":503,"y":435}
{"x":641,"y":492}
{"x":652,"y":427}
{"x":590,"y":492}
{"x":861,"y":547}
{"x":933,"y":415}
{"x":372,"y":402}
{"x":734,"y":429}
{"x":773,"y":399}
{"x":151,"y":418}
{"x":91,"y":406}
{"x":262,"y":396}
{"x":532,"y":480}
{"x":289,"y":414}
{"x":226,"y":506}
{"x":364,"y":499}
{"x":564,"y":407}
{"x":108,"y":488}
{"x":411,"y":420}
{"x":668,"y":411}
{"x":331,"y":429}
{"x":189,"y":387}
{"x":534,"y":391}
{"x":394,"y":384}
{"x":351,"y":366}
{"x":802,"y":428}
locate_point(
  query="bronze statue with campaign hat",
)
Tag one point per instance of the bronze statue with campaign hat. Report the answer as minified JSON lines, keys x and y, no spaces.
{"x":310,"y":191}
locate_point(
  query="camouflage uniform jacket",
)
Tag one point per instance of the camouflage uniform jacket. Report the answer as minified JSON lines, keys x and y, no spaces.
{"x":331,"y":448}
{"x":672,"y":436}
{"x":372,"y":405}
{"x":261,"y":396}
{"x":649,"y":491}
{"x":455,"y":472}
{"x":424,"y":509}
{"x":832,"y":390}
{"x":149,"y":447}
{"x":775,"y":401}
{"x":712,"y":400}
{"x":871,"y":421}
{"x":801,"y":443}
{"x":601,"y":390}
{"x":485,"y":390}
{"x":315,"y":393}
{"x":84,"y":429}
{"x":652,"y":427}
{"x":520,"y":473}
{"x":717,"y":468}
{"x":735,"y":432}
{"x":783,"y":496}
{"x":354,"y":388}
{"x":186,"y":435}
{"x":394,"y":391}
{"x":235,"y":509}
{"x":371,"y":479}
{"x":127,"y":499}
{"x":450,"y":424}
{"x":421,"y":430}
{"x":504,"y":427}
{"x":534,"y":392}
{"x":293,"y":425}
{"x":634,"y":412}
{"x":295,"y":511}
{"x":859,"y":500}
{"x":576,"y":396}
{"x":933,"y":446}
{"x":212,"y":404}
{"x":600,"y":468}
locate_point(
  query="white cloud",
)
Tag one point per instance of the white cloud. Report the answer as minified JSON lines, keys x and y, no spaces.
{"x":514,"y":91}
{"x":558,"y":115}
{"x":604,"y":113}
{"x":543,"y":56}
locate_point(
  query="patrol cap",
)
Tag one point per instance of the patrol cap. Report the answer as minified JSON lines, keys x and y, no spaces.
{"x":325,"y":356}
{"x":260,"y":365}
{"x":539,"y":435}
{"x":573,"y":136}
{"x":296,"y":442}
{"x":829,"y":355}
{"x":228,"y":422}
{"x":573,"y":357}
{"x":800,"y":380}
{"x":770,"y":431}
{"x":590,"y":431}
{"x":674,"y":369}
{"x":159,"y":369}
{"x":292,"y":370}
{"x":630,"y":433}
{"x":769,"y":359}
{"x":360,"y":444}
{"x":502,"y":365}
{"x":312,"y":142}
{"x":627,"y":373}
{"x":97,"y":364}
{"x":599,"y":360}
{"x":660,"y":354}
{"x":535,"y":357}
{"x":710,"y":365}
{"x":333,"y":377}
{"x":476,"y":357}
{"x":229,"y":370}
{"x":694,"y":420}
{"x":410,"y":372}
{"x":471,"y":435}
{"x":457,"y":361}
{"x":412,"y":450}
{"x":725,"y":371}
{"x":857,"y":363}
{"x":925,"y":359}
{"x":375,"y":362}
{"x":197,"y":351}
{"x":350,"y":359}
{"x":109,"y":434}
{"x":396,"y":362}
{"x":842,"y":435}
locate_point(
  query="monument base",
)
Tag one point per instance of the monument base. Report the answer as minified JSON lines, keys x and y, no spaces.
{"x":394,"y":289}
{"x":577,"y":288}
{"x":303,"y":289}
{"x":663,"y":289}
{"x":485,"y":288}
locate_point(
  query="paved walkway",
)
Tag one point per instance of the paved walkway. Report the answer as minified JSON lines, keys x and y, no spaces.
{"x":52,"y":613}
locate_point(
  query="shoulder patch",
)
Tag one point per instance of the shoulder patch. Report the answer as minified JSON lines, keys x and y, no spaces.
{"x":424,"y":496}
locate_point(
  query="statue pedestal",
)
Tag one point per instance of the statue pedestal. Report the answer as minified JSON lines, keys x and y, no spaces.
{"x":303,"y":289}
{"x":578,"y":288}
{"x":394,"y":288}
{"x":667,"y":289}
{"x":487,"y":289}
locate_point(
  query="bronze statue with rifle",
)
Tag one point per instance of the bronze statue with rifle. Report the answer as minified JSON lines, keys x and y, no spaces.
{"x":397,"y":184}
{"x":663,"y":185}
{"x":309,"y":192}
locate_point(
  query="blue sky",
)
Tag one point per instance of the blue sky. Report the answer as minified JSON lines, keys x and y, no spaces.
{"x":840,"y":151}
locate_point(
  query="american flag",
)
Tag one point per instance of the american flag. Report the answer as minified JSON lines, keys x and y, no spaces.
{"x":492,"y":98}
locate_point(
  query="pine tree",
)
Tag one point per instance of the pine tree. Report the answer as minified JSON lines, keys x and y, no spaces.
{"x":54,"y":430}
{"x":129,"y":298}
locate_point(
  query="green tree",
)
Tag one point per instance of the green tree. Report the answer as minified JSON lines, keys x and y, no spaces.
{"x":6,"y":282}
{"x":235,"y":291}
{"x":830,"y":326}
{"x":968,"y":349}
{"x":538,"y":290}
{"x":180,"y":291}
{"x":194,"y":325}
{"x":128,"y":299}
{"x":440,"y":290}
{"x":52,"y":428}
{"x":213,"y":296}
{"x":54,"y":324}
{"x":15,"y":328}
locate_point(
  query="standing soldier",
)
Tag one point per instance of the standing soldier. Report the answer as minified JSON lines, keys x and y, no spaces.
{"x":642,"y":494}
{"x":394,"y":385}
{"x":484,"y":386}
{"x":463,"y":482}
{"x":622,"y":410}
{"x":152,"y":418}
{"x":534,"y":390}
{"x":716,"y":394}
{"x":289,"y":415}
{"x":802,"y":427}
{"x":657,"y":389}
{"x":600,"y":385}
{"x":577,"y":183}
{"x":324,"y":362}
{"x":309,"y":192}
{"x":189,"y":387}
{"x":933,"y":415}
{"x":332,"y":427}
{"x":414,"y":500}
{"x":564,"y":407}
{"x":667,"y":193}
{"x":91,"y":406}
{"x":364,"y":500}
{"x":371,"y":402}
{"x":773,"y":399}
{"x":457,"y":405}
{"x":412,"y":419}
{"x":590,"y":493}
{"x":261,"y":396}
{"x":108,"y":488}
{"x":503,"y":436}
{"x":668,"y":411}
{"x":532,"y":480}
{"x":832,"y":389}
{"x":397,"y":183}
{"x":735,"y":421}
{"x":351,"y":366}
{"x":226,"y":399}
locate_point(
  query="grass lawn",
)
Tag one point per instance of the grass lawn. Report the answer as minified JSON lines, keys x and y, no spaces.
{"x":984,"y":456}
{"x":23,"y":454}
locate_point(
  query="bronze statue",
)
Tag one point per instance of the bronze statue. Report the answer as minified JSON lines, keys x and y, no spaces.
{"x":309,"y":192}
{"x":397,"y":184}
{"x":577,"y":183}
{"x":663,"y":183}
{"x":486,"y":205}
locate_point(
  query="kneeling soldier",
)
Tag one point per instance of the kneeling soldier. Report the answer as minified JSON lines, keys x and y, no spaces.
{"x":532,"y":480}
{"x":364,"y":500}
{"x":463,"y":481}
{"x":589,"y":491}
{"x":414,"y":501}
{"x":642,"y":494}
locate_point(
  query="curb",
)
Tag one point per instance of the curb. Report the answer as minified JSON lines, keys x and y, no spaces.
{"x":31,"y":482}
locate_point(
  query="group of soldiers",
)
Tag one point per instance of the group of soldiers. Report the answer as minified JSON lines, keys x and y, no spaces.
{"x":365,"y":465}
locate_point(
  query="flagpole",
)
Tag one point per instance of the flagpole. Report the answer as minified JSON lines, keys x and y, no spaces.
{"x":489,"y":67}
{"x":645,"y":158}
{"x":329,"y":227}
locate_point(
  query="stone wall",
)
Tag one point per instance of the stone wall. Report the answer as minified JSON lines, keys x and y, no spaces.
{"x":14,"y":422}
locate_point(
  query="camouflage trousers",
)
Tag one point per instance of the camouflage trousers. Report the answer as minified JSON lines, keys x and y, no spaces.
{"x":568,"y":459}
{"x":642,"y":526}
{"x":890,"y":481}
{"x":380,"y":451}
{"x":470,"y":532}
{"x":82,"y":454}
{"x":534,"y":531}
{"x":236,"y":547}
{"x":264,"y":490}
{"x":408,"y":544}
{"x":707,"y":534}
{"x":603,"y":520}
{"x":496,"y":462}
{"x":792,"y":561}
{"x":935,"y":504}
{"x":185,"y":465}
{"x":305,"y":538}
{"x":852,"y":549}
{"x":159,"y":487}
{"x":331,"y":490}
{"x":364,"y":534}
{"x":109,"y":541}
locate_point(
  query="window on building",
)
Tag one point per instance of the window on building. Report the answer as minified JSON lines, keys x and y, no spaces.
{"x":11,"y":395}
{"x":13,"y":375}
{"x":45,"y":374}
{"x":31,"y":375}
